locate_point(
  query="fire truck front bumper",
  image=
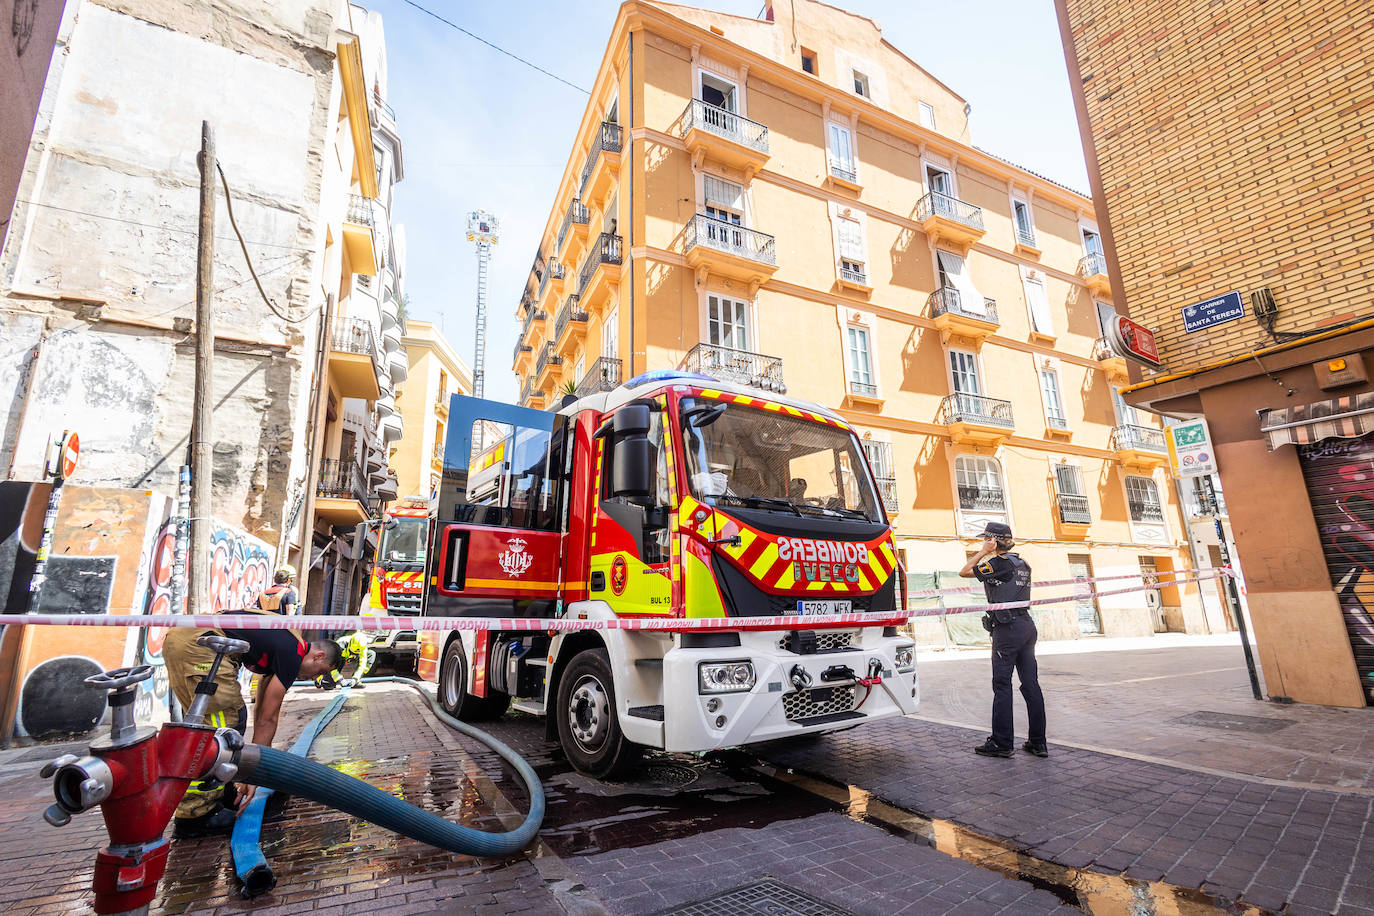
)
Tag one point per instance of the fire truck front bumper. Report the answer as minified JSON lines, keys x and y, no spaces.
{"x":764,"y":689}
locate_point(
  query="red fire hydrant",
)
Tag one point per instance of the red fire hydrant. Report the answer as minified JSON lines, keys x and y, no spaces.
{"x":138,"y":775}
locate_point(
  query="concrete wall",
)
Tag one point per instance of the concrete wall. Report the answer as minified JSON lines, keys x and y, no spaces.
{"x":105,"y":254}
{"x":24,"y":56}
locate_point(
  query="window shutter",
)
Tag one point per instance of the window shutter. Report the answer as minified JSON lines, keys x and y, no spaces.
{"x":1039,"y":305}
{"x":852,"y":240}
{"x":722,"y":193}
{"x":970,"y":299}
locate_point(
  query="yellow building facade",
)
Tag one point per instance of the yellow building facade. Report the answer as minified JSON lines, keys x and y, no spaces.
{"x":436,"y":373}
{"x":796,"y":205}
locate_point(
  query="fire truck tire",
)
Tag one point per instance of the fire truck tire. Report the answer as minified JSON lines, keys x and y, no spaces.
{"x":453,"y":695}
{"x":588,"y":727}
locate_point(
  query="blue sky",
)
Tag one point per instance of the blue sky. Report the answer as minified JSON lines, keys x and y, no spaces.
{"x":481,"y":130}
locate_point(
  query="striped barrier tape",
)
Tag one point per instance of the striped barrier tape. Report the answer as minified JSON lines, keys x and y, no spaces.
{"x":540,"y":624}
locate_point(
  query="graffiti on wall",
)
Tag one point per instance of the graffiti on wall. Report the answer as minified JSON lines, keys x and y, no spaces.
{"x":239,"y":569}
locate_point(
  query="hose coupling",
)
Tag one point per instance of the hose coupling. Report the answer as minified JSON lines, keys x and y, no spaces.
{"x":78,"y":784}
{"x":226,"y":765}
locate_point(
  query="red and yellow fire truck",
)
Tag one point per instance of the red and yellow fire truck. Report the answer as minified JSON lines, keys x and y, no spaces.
{"x":397,"y":583}
{"x":678,"y":498}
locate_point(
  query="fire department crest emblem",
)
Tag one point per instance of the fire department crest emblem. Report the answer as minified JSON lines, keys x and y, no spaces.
{"x":620,"y":576}
{"x":515,"y":561}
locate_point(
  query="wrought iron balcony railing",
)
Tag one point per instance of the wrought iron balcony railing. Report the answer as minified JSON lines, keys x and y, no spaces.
{"x":520,"y":347}
{"x":842,"y":171}
{"x":863,"y":389}
{"x":1073,"y":509}
{"x":546,"y":359}
{"x":887,"y":489}
{"x":974,"y":408}
{"x":853,"y":275}
{"x":1139,"y":438}
{"x":753,"y":369}
{"x":727,"y":124}
{"x":567,"y":313}
{"x":718,"y":235}
{"x":342,"y":478}
{"x":1102,"y":349}
{"x":951,"y":208}
{"x":1026,"y":237}
{"x":1056,"y":421}
{"x":604,"y":375}
{"x":981,"y":499}
{"x":577,"y":213}
{"x":947,"y":301}
{"x":608,"y":138}
{"x":359,"y":210}
{"x":1092,"y":264}
{"x":605,"y":250}
{"x":531,"y":316}
{"x":1145,"y":510}
{"x":525,"y":390}
{"x":355,"y":335}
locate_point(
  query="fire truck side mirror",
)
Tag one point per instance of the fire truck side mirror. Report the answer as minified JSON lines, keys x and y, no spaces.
{"x":632,"y":463}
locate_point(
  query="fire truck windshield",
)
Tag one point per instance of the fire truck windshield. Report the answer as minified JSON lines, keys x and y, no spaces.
{"x":406,"y":541}
{"x":760,"y":459}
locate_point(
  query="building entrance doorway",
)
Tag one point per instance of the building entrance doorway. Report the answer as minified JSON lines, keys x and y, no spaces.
{"x":1081,"y":569}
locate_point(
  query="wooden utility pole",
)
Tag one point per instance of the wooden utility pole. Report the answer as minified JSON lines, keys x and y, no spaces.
{"x":202,"y":426}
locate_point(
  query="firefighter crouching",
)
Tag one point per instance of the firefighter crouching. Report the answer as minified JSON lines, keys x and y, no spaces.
{"x":354,"y":648}
{"x":280,"y":656}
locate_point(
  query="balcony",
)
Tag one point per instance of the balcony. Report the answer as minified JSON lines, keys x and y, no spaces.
{"x":529,"y":397}
{"x":982,"y":499}
{"x":1111,"y":363}
{"x":1092,"y":270}
{"x":574,"y":221}
{"x":725,"y":137}
{"x":1026,"y":243}
{"x":546,"y":368}
{"x":353,"y":357}
{"x":603,"y":162}
{"x":523,"y":359}
{"x":341,"y":492}
{"x":569,"y":327}
{"x":855,"y":278}
{"x":1057,"y":427}
{"x":1139,"y":446}
{"x":949,"y":221}
{"x":716,"y":247}
{"x":604,"y":375}
{"x":436,"y":460}
{"x":841,"y":173}
{"x":863,"y":394}
{"x":600,"y":272}
{"x":953,"y":318}
{"x":359,"y":236}
{"x":975,"y":420}
{"x":441,"y":404}
{"x":728,"y":364}
{"x":534,"y":318}
{"x":1073,"y":510}
{"x":887,"y":491}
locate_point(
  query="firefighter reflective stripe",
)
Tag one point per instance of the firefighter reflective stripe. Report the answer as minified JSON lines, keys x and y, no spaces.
{"x":1340,"y":484}
{"x":747,"y":401}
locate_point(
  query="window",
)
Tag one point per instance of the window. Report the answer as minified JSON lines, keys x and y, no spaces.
{"x":609,"y":217}
{"x":511,"y":478}
{"x":613,"y":112}
{"x":963,"y":367}
{"x":1072,"y":500}
{"x":860,"y":361}
{"x":853,"y":251}
{"x":1039,"y":306}
{"x":439,"y":441}
{"x":1068,"y":480}
{"x":841,"y":152}
{"x":651,"y":522}
{"x":879,"y":456}
{"x":939,"y":181}
{"x":1125,"y":413}
{"x":861,"y":85}
{"x":927,"y":115}
{"x":1092,"y":242}
{"x":443,"y":387}
{"x":1025,"y":228}
{"x":1105,"y":314}
{"x":1142,"y":499}
{"x":610,"y":334}
{"x":719,"y":92}
{"x":1054,"y":405}
{"x":727,"y":322}
{"x":579,"y":370}
{"x":959,"y":292}
{"x":724,"y":203}
{"x":979,"y":481}
{"x":808,"y":61}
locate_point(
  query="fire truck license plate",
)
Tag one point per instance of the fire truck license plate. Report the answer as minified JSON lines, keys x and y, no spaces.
{"x":807,"y":608}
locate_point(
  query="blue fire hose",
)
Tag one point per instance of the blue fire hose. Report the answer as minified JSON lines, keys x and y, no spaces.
{"x":245,"y":843}
{"x":294,"y":773}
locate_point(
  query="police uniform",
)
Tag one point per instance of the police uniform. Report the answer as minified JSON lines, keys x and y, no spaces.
{"x":1006,"y":578}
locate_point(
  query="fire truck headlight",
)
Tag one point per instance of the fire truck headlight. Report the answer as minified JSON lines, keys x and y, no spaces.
{"x":905,"y":658}
{"x":727,"y":677}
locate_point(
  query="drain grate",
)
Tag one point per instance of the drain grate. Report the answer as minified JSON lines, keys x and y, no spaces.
{"x":765,"y":897}
{"x":1231,"y":722}
{"x":665,"y":776}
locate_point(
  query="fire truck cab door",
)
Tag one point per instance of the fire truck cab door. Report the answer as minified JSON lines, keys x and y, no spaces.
{"x":497,"y":533}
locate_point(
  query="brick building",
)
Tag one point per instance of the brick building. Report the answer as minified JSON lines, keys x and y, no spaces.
{"x":1230,"y":152}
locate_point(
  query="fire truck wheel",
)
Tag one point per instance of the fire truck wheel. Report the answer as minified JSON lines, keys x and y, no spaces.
{"x":588,"y":727}
{"x":453,"y":695}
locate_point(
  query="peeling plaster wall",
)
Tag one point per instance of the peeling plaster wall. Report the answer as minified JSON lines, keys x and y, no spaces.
{"x":111,"y":171}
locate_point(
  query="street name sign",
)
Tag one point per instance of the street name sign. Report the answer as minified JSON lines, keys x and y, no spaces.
{"x":1209,"y":312}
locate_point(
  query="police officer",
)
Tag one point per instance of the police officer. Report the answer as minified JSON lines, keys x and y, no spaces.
{"x":1006,"y":578}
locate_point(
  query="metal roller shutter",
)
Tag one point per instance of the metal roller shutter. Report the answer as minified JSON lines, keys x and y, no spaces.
{"x":1340,"y":484}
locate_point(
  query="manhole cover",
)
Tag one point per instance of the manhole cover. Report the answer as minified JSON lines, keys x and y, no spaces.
{"x":768,"y":897}
{"x":665,"y":776}
{"x":1230,"y":722}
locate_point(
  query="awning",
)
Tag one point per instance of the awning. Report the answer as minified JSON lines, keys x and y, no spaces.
{"x":1345,"y":418}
